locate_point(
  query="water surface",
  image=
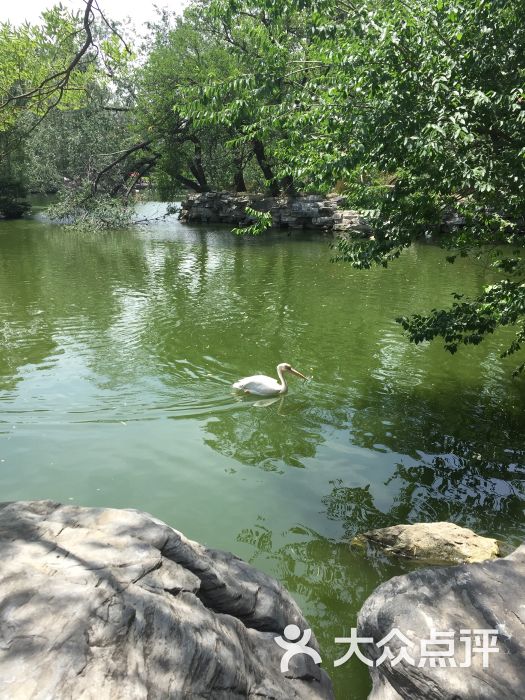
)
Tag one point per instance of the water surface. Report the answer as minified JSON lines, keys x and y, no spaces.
{"x":117,"y":352}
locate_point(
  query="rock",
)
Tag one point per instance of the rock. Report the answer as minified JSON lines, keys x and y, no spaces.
{"x":351,"y":224}
{"x":336,"y":198}
{"x":465,"y":600}
{"x":323,"y":221}
{"x":452,"y":220}
{"x":327,"y":210}
{"x":433,"y":542}
{"x":102,"y":603}
{"x":299,"y":212}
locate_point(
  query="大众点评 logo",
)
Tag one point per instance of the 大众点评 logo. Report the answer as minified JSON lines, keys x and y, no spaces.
{"x":293,"y":645}
{"x":439,"y":649}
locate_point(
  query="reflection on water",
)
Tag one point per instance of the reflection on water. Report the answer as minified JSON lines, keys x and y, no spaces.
{"x":117,"y":352}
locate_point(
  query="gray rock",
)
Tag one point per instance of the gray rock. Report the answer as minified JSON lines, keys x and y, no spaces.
{"x":485,"y":596}
{"x":110,"y":604}
{"x":442,"y":542}
{"x":298,"y":212}
{"x":351,"y":223}
{"x":327,"y":210}
{"x":323,"y":221}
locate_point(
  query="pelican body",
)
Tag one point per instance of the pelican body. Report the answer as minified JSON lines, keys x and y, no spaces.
{"x":261,"y":385}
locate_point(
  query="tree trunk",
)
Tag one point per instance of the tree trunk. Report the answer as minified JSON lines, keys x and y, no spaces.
{"x":190,"y":184}
{"x":287,"y":185}
{"x":258,"y":149}
{"x":238,"y":175}
{"x":196,"y":168}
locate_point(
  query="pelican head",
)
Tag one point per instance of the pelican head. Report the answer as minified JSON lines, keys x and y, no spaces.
{"x":285,"y":367}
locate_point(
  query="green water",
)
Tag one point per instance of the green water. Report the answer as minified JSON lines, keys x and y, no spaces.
{"x":117,"y":352}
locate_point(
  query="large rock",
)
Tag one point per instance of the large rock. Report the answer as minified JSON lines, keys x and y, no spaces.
{"x":109,"y":604}
{"x":433,"y":542}
{"x":463,"y":600}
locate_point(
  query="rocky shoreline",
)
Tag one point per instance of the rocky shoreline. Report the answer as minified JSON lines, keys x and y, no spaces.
{"x":312,"y":211}
{"x":106,"y":603}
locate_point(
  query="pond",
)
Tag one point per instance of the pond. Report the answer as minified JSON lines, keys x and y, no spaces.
{"x":117,"y":352}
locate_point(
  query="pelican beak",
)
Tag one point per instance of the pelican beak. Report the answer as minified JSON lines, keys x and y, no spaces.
{"x":297,"y":374}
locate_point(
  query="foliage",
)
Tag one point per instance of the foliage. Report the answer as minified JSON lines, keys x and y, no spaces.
{"x":13,"y":189}
{"x":247,"y":98}
{"x":12,"y":198}
{"x":186,"y":53}
{"x":418,"y":106}
{"x":57,"y":79}
{"x":261,"y":221}
{"x":467,"y":322}
{"x":50,"y":64}
{"x":71,"y":146}
{"x":81,"y":209}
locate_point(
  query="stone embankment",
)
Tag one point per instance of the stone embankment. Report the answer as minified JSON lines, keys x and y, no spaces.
{"x":309,"y":211}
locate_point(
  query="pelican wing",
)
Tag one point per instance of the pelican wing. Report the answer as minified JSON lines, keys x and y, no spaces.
{"x":258,"y":384}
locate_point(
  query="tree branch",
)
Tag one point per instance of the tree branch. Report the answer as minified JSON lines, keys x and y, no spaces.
{"x":125,"y":154}
{"x":61,"y":77}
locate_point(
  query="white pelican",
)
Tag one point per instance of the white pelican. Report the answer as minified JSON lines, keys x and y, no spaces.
{"x":262,"y":385}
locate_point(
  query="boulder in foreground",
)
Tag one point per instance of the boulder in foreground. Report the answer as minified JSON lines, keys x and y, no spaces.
{"x":459,"y":606}
{"x":102,"y":603}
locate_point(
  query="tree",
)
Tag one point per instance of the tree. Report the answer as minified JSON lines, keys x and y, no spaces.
{"x":212,"y":47}
{"x":71,"y":146}
{"x":13,"y":183}
{"x":13,"y":194}
{"x":418,"y":106}
{"x":185,"y":53}
{"x":49,"y":74}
